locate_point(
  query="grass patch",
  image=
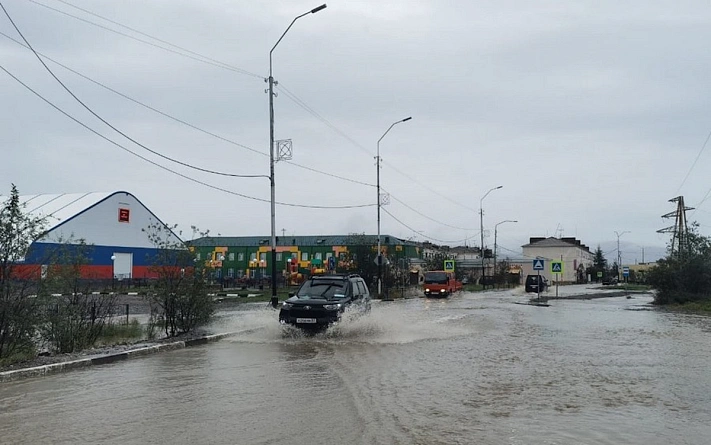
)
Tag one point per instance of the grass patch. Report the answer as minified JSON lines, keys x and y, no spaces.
{"x":703,"y":307}
{"x":635,"y":287}
{"x":17,"y":358}
{"x":118,"y":332}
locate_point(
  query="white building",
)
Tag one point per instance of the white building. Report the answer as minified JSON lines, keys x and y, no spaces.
{"x":573,"y":255}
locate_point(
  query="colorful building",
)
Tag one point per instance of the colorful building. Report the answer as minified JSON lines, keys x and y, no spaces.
{"x":250,"y":256}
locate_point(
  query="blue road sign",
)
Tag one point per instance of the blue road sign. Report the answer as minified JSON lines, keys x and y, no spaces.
{"x":538,"y":264}
{"x":625,"y":271}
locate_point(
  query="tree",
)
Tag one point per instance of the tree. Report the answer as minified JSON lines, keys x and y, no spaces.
{"x":684,"y":278}
{"x":75,"y":318}
{"x":180,"y":301}
{"x":19,"y":310}
{"x":360,"y":259}
{"x":599,"y":264}
{"x":436,"y":261}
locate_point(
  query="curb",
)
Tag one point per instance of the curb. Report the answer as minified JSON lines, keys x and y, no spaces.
{"x":54,"y":368}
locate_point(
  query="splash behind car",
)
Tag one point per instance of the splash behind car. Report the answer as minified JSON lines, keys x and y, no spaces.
{"x":322,"y":299}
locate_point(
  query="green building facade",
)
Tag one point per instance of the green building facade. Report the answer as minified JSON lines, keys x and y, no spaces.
{"x":234,"y":258}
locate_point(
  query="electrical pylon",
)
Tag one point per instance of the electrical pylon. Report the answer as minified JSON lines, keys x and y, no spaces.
{"x":680,"y":245}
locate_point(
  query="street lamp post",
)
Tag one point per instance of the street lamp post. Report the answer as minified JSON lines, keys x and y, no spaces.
{"x":377,"y":166}
{"x":481,"y":230}
{"x":619,"y":254}
{"x":496,"y":227}
{"x":275,"y":300}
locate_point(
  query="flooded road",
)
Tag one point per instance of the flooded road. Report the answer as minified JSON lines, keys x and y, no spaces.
{"x":471,"y":369}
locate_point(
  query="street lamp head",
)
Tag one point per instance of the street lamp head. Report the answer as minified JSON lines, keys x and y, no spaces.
{"x":317,"y":9}
{"x":406,"y":119}
{"x":501,"y":186}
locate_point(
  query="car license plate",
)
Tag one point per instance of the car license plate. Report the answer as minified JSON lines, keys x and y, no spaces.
{"x":306,"y":320}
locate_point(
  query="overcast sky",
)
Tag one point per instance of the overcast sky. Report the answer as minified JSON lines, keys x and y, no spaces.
{"x":590,"y":114}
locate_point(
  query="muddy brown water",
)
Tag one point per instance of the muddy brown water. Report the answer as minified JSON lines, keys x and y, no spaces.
{"x":471,"y":369}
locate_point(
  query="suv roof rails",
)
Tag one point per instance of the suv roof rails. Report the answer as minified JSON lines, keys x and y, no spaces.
{"x":336,"y":275}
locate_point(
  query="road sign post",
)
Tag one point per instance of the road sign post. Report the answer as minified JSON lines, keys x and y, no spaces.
{"x":557,"y":268}
{"x":538,"y":266}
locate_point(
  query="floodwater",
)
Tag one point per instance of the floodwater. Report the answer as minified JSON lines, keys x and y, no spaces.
{"x":471,"y":369}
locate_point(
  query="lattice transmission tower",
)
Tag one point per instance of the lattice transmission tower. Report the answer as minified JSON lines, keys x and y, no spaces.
{"x":680,"y":245}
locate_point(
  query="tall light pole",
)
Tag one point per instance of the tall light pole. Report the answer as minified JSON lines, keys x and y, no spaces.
{"x":619,"y":254}
{"x":496,"y":227}
{"x":481,"y":230}
{"x":275,"y":300}
{"x":377,"y":166}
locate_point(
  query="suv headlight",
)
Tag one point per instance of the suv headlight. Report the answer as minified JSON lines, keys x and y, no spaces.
{"x":286,"y":305}
{"x":332,"y":307}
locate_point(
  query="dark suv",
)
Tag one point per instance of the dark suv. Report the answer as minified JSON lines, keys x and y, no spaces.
{"x":536,"y":283}
{"x":322,"y":299}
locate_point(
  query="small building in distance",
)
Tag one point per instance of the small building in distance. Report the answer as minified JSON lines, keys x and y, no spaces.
{"x":574,"y":255}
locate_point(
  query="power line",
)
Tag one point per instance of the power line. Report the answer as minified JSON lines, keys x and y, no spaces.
{"x":694,"y":163}
{"x":166,"y":168}
{"x":219,"y":64}
{"x":204,"y":59}
{"x":184,"y":164}
{"x":161,"y":40}
{"x":431,"y":219}
{"x":188,"y":124}
{"x":428,"y":237}
{"x":293,"y":97}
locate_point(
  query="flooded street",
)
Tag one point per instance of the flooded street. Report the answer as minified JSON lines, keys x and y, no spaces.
{"x":472,"y":369}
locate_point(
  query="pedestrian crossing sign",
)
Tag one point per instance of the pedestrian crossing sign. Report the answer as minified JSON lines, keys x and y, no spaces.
{"x":556,"y":266}
{"x":538,"y":264}
{"x":449,"y":265}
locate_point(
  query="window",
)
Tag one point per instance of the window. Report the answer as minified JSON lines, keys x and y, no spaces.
{"x":240,"y":256}
{"x":318,"y":256}
{"x":231,"y":256}
{"x":278,"y":256}
{"x":361,"y":288}
{"x":231,"y":273}
{"x":253,"y":256}
{"x":329,"y":255}
{"x":197,"y":257}
{"x":304,"y":256}
{"x":218,"y":273}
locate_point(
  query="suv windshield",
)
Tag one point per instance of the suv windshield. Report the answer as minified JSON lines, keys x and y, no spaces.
{"x":328,"y":289}
{"x":435,"y":278}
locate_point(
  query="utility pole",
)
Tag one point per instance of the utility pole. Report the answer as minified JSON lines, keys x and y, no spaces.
{"x":379,"y":257}
{"x":495,"y":235}
{"x":619,"y":254}
{"x":274,"y":299}
{"x":481,"y":231}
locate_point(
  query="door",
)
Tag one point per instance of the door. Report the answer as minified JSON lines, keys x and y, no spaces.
{"x":123,"y":265}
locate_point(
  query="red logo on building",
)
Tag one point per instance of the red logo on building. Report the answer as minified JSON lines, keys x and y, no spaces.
{"x":124,"y":215}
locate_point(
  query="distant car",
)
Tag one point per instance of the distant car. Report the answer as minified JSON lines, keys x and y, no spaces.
{"x":536,"y":283}
{"x":322,"y":300}
{"x":465,"y":280}
{"x":609,"y":281}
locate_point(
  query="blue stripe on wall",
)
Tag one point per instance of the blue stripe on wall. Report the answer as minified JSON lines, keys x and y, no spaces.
{"x":42,"y":253}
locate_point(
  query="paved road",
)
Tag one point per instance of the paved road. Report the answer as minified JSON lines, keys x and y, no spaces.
{"x":473,"y":368}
